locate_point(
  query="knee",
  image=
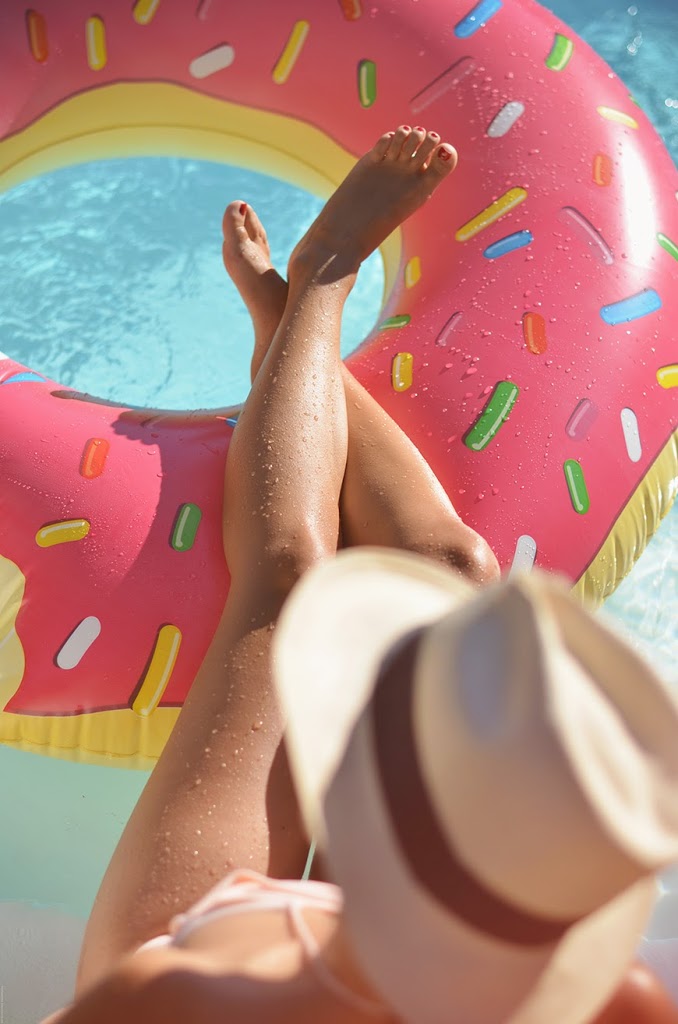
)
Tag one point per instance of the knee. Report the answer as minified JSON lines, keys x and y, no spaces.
{"x":466,"y":553}
{"x":285,"y":561}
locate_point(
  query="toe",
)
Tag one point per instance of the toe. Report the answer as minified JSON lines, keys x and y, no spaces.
{"x":396,"y":142}
{"x":412,"y":143}
{"x":381,"y":146}
{"x":443,"y":161}
{"x":428,"y":144}
{"x":234,"y":217}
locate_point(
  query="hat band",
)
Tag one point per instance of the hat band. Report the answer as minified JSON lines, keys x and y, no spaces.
{"x":426,"y":850}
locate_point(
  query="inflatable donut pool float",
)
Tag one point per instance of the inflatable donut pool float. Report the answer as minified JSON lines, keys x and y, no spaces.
{"x":528,"y":341}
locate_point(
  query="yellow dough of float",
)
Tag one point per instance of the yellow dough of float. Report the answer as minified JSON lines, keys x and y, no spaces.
{"x":12,"y":660}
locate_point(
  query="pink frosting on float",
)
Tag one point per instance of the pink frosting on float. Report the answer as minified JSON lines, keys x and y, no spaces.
{"x":529,"y":114}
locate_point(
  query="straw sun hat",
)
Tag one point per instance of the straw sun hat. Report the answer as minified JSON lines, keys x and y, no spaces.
{"x":493,"y":777}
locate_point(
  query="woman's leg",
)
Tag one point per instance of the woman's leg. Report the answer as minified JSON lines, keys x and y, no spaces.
{"x":220,"y":795}
{"x":390,"y":496}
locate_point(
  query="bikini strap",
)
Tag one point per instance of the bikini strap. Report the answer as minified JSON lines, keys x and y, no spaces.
{"x":330,"y":981}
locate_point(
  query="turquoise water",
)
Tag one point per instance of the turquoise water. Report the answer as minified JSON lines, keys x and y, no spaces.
{"x":113,"y":283}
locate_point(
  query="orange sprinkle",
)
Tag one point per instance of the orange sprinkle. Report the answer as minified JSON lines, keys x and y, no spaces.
{"x":351,"y":9}
{"x":94,"y":458}
{"x":602,"y":169}
{"x":36,"y":26}
{"x":534,"y":332}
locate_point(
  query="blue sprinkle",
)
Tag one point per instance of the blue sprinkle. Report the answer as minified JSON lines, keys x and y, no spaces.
{"x":632,"y":308}
{"x":515,"y":241}
{"x":232,"y":420}
{"x":476,"y":18}
{"x":17,"y":378}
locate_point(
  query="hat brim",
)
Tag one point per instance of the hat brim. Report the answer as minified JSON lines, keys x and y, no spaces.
{"x":332,"y":637}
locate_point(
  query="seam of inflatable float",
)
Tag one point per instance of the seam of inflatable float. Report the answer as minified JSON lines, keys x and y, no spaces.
{"x":633,"y":529}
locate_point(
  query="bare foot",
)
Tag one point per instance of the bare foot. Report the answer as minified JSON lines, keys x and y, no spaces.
{"x":247,"y":259}
{"x":384,"y":188}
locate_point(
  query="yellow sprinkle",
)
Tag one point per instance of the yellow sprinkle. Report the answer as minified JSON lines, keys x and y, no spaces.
{"x":95,"y":36}
{"x":288,"y":58}
{"x":617,"y":115}
{"x":493,"y":212}
{"x":402,"y":371}
{"x":667,"y":376}
{"x":144,"y":11}
{"x":62,"y":533}
{"x":412,"y":272}
{"x":159,"y":671}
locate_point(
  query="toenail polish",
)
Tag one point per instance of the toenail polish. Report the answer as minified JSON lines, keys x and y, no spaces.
{"x":444,"y":154}
{"x":406,"y":128}
{"x":243,"y":207}
{"x":418,"y":128}
{"x":434,"y":135}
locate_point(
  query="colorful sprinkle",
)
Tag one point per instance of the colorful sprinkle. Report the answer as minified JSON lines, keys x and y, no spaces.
{"x":581,"y":420}
{"x":402,"y":369}
{"x":586,"y":231}
{"x":477,"y":17}
{"x":367,"y":82}
{"x":524,"y":555}
{"x":492,"y":213}
{"x":518,"y":240}
{"x":449,"y":327}
{"x":23,"y":377}
{"x":618,"y":116}
{"x":633,"y":308}
{"x":534,"y":333}
{"x":231,"y":420}
{"x":204,"y":8}
{"x":400,"y":320}
{"x":495,"y":413}
{"x":159,"y":671}
{"x":208,"y":63}
{"x":144,"y":11}
{"x":560,"y":54}
{"x":95,"y":41}
{"x":290,"y":54}
{"x":449,"y":79}
{"x":78,"y":643}
{"x":667,"y":376}
{"x":351,"y":9}
{"x":603,"y":171}
{"x":576,"y":485}
{"x":62,"y":533}
{"x":505,"y":119}
{"x":631,"y":432}
{"x":185,"y":527}
{"x":412,"y":271}
{"x":666,"y":243}
{"x":94,"y":458}
{"x":36,"y":26}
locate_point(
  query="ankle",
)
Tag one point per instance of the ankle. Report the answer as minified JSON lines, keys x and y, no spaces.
{"x":315,"y":264}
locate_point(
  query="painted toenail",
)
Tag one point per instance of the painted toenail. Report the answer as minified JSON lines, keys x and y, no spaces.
{"x":445,"y":154}
{"x":243,"y":207}
{"x":406,"y":127}
{"x":434,"y":135}
{"x":418,"y":128}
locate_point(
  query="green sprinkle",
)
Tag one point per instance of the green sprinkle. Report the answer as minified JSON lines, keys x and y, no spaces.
{"x":185,"y":527}
{"x":576,"y":485}
{"x":367,"y":82}
{"x":401,"y":320}
{"x":496,"y":411}
{"x":560,"y":54}
{"x":666,"y":243}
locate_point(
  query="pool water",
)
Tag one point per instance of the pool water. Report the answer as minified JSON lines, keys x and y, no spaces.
{"x":113,"y":283}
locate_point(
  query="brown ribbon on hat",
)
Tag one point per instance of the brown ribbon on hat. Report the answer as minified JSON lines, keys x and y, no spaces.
{"x":426,"y":850}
